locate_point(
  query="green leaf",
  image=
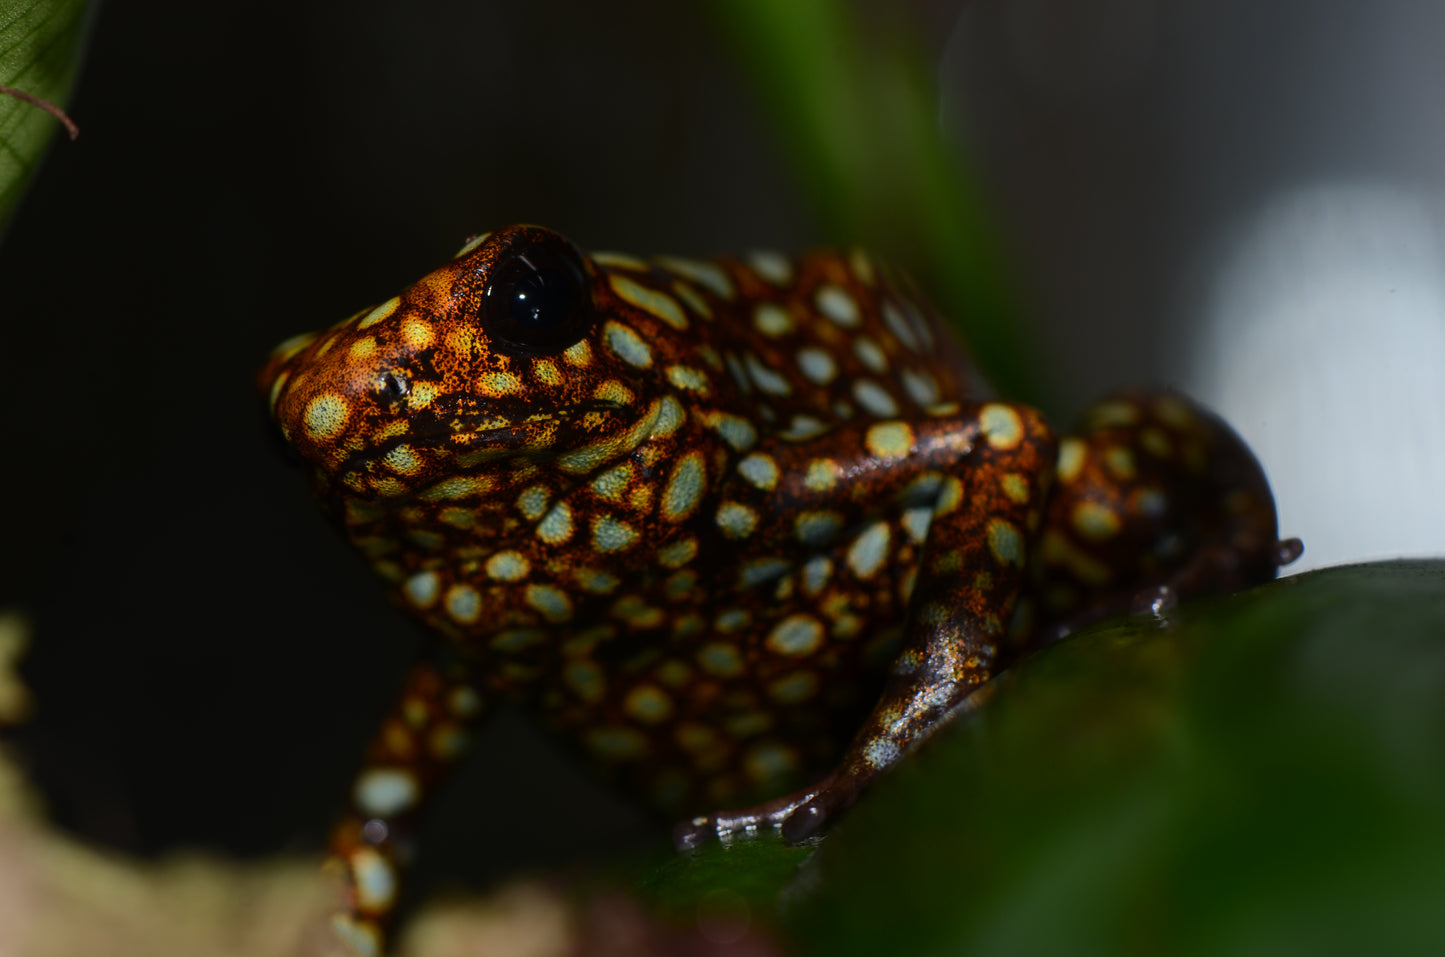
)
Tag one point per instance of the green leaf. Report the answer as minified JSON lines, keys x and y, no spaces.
{"x":856,"y":110}
{"x":40,"y":43}
{"x":1263,"y":775}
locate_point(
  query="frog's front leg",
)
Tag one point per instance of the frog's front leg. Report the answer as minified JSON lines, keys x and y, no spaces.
{"x":420,"y":740}
{"x":997,"y":464}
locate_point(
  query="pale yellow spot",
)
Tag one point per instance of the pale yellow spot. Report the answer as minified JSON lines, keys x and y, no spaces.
{"x":416,"y":334}
{"x":921,"y":387}
{"x":613,"y":391}
{"x":1156,"y":442}
{"x":796,"y":635}
{"x":821,"y":475}
{"x":735,"y":431}
{"x":950,"y":496}
{"x":1120,"y":462}
{"x":385,"y":791}
{"x":546,"y":372}
{"x":874,"y":398}
{"x":373,"y":879}
{"x":326,"y":416}
{"x":1058,"y":550}
{"x":471,"y":244}
{"x":816,"y":529}
{"x":616,"y":744}
{"x":627,"y":345}
{"x":1107,"y":414}
{"x":870,"y":354}
{"x":508,"y":566}
{"x":553,"y":603}
{"x":684,"y":488}
{"x":586,"y":680}
{"x":1016,"y":487}
{"x":817,"y":364}
{"x":736,"y":519}
{"x":532,"y":503}
{"x":421,"y":396}
{"x":794,"y":688}
{"x":772,"y":320}
{"x":686,"y":377}
{"x":691,"y":299}
{"x":1005,"y":542}
{"x":659,"y":304}
{"x":766,"y":377}
{"x":869,"y":550}
{"x":610,"y":534}
{"x":767,"y":761}
{"x":710,"y":275}
{"x":555,"y":527}
{"x":596,"y":581}
{"x":1001,"y":425}
{"x":1174,"y":411}
{"x":862,"y":267}
{"x":402,"y":459}
{"x":463,"y":603}
{"x":640,"y":498}
{"x":760,"y":470}
{"x":670,"y":417}
{"x":889,"y":440}
{"x":721,"y":659}
{"x":612,"y":484}
{"x":894,"y":319}
{"x":837,"y":305}
{"x":380,"y":313}
{"x":1072,"y":453}
{"x":612,"y":260}
{"x":772,"y":266}
{"x":578,"y":354}
{"x":1095,"y":521}
{"x":421,"y":588}
{"x":458,"y":517}
{"x":498,"y":383}
{"x":816,"y":572}
{"x":648,"y":704}
{"x":361,"y":349}
{"x":679,"y":553}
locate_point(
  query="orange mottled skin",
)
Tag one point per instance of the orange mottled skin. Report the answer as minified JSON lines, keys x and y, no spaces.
{"x":731,"y":525}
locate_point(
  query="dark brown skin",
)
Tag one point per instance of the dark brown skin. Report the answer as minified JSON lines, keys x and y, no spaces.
{"x":730,"y":527}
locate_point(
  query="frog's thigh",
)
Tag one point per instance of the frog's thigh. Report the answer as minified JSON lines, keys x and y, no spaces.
{"x":419,"y":741}
{"x":969,"y":577}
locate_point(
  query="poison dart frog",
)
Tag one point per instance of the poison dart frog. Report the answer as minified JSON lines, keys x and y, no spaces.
{"x":737,"y":528}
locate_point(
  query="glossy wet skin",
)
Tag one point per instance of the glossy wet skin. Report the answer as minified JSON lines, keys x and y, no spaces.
{"x":704,"y":516}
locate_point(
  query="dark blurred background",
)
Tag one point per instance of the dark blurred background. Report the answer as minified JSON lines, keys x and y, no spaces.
{"x":1241,"y":199}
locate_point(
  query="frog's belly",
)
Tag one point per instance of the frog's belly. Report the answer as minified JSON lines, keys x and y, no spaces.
{"x":743,"y":688}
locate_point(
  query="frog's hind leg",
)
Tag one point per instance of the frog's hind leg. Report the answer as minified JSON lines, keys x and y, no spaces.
{"x":1157,"y":499}
{"x":420,"y":740}
{"x":969,"y":576}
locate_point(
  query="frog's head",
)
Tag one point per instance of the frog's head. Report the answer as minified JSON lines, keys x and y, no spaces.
{"x":508,"y":352}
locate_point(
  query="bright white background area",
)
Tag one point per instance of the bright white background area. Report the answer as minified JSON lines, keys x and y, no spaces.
{"x":1244,"y":201}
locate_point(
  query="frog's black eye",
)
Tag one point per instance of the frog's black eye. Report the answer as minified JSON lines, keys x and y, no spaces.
{"x":536,"y":299}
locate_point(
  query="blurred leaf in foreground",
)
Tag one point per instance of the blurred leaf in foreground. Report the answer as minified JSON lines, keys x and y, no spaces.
{"x":1263,"y":775}
{"x":856,"y":108}
{"x":40,"y":43}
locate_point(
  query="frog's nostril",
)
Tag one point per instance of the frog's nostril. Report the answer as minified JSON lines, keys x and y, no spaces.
{"x":394,"y":386}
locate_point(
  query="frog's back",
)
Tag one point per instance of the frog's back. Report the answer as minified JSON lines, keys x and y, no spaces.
{"x":803,"y":342}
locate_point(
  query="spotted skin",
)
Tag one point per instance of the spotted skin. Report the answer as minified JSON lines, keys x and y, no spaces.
{"x":745,"y":512}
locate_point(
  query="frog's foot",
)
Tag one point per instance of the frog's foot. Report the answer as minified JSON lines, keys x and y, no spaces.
{"x":1157,"y":500}
{"x":798,"y":816}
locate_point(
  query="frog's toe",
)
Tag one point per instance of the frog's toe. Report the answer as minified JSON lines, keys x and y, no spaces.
{"x":725,"y":825}
{"x":1287,"y":550}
